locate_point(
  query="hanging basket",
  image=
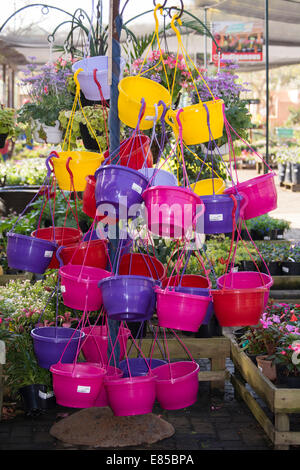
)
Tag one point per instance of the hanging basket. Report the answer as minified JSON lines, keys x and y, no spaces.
{"x":140,"y":264}
{"x":85,"y":77}
{"x":131,"y":91}
{"x":159,"y":177}
{"x":181,"y":311}
{"x":47,"y":134}
{"x":246,"y":280}
{"x":51,"y":342}
{"x":239,"y":307}
{"x":82,"y":164}
{"x":77,"y":282}
{"x":95,"y":344}
{"x":177,"y":384}
{"x":118,"y":185}
{"x":111,"y":374}
{"x":171,"y":211}
{"x":26,"y":253}
{"x":137,"y":366}
{"x":195,"y":129}
{"x":259,"y":195}
{"x":61,"y":236}
{"x":209,"y":186}
{"x":77,"y":385}
{"x":131,"y":396}
{"x":218,"y":217}
{"x":128,"y":298}
{"x":90,"y":253}
{"x":134,"y":152}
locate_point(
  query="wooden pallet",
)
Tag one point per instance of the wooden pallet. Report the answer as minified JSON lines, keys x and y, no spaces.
{"x":292,"y":186}
{"x":281,"y":402}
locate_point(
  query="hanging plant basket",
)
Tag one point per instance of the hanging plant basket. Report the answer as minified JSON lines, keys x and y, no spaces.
{"x":95,"y":344}
{"x":134,"y":152}
{"x":47,"y":134}
{"x":140,"y":264}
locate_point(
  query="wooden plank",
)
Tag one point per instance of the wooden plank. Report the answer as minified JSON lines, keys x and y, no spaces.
{"x":287,"y":400}
{"x":218,"y":363}
{"x":282,"y":423}
{"x":254,"y":407}
{"x":6,"y":278}
{"x":253,"y":376}
{"x":207,"y":376}
{"x":286,"y":438}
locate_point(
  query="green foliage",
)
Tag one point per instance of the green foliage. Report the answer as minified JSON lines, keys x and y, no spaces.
{"x":264,"y":224}
{"x":8,"y":123}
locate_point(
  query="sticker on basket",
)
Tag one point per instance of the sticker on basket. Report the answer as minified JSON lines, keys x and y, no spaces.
{"x":44,"y":395}
{"x":63,"y":288}
{"x":215,"y":217}
{"x":83,"y":389}
{"x":137,"y":188}
{"x":267,"y":238}
{"x":48,"y":254}
{"x":285,"y":270}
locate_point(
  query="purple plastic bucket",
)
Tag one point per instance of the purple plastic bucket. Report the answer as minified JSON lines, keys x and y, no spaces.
{"x":128,"y":298}
{"x":246,"y":280}
{"x":138,"y":366}
{"x":50,"y":342}
{"x":159,"y":177}
{"x":202,"y":292}
{"x":218,"y":217}
{"x":27,"y":253}
{"x":119,"y":185}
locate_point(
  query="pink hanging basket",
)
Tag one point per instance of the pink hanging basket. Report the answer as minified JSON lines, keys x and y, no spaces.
{"x":177,"y":384}
{"x":112,"y":374}
{"x":77,"y":385}
{"x":94,"y":347}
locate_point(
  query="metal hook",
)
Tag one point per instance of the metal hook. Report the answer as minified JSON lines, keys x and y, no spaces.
{"x":162,"y":6}
{"x":177,"y":9}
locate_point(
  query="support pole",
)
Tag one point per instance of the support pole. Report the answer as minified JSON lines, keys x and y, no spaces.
{"x":267,"y":80}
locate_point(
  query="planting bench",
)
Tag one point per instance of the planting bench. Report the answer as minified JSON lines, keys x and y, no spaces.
{"x":280,"y":403}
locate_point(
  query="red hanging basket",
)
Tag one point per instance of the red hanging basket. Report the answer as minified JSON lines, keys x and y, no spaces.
{"x":142,"y":265}
{"x":90,"y":253}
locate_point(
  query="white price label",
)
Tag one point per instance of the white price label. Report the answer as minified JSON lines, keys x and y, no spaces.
{"x":235,"y":269}
{"x":83,"y":389}
{"x":48,"y":254}
{"x":44,"y":395}
{"x":285,"y":270}
{"x":137,"y":188}
{"x":267,"y":238}
{"x":63,"y":288}
{"x":215,"y":217}
{"x":279,"y":236}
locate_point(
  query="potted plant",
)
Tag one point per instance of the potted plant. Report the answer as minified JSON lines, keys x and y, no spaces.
{"x":8,"y":125}
{"x":273,"y":255}
{"x":281,"y":158}
{"x":287,"y":361}
{"x":46,"y":87}
{"x":291,"y":266}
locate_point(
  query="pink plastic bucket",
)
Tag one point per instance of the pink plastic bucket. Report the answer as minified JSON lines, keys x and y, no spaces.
{"x":259,"y":195}
{"x":177,"y":384}
{"x":131,"y":396}
{"x":246,"y":280}
{"x":95,"y":344}
{"x":77,"y":282}
{"x":170,"y":210}
{"x":181,"y":311}
{"x":112,"y":374}
{"x":77,"y":385}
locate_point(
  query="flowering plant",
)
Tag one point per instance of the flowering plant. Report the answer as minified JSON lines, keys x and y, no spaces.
{"x":287,"y":354}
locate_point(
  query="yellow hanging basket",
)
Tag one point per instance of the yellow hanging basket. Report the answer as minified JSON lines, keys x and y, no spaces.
{"x":131,"y":92}
{"x":193,"y":118}
{"x":81,"y":165}
{"x":208,"y":187}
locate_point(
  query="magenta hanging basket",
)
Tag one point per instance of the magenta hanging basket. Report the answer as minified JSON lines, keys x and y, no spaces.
{"x":95,"y":344}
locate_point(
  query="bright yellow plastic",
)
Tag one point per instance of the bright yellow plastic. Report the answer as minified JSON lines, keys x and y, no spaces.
{"x":131,"y":91}
{"x":194,"y":122}
{"x":82,"y":164}
{"x":208,"y":187}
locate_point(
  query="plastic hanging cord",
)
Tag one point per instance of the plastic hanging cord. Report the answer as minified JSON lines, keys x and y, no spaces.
{"x":104,"y":108}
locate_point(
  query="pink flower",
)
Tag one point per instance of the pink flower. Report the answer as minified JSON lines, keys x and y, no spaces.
{"x":283,"y":353}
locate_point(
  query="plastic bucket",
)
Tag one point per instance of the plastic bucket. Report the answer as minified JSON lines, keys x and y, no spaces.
{"x":63,"y":236}
{"x":128,"y":298}
{"x":159,"y":177}
{"x":177,"y":384}
{"x":50,"y":342}
{"x":193,"y":118}
{"x":133,"y":152}
{"x":86,"y":80}
{"x":239,"y":307}
{"x":88,"y":200}
{"x":246,"y":280}
{"x":140,"y":264}
{"x":77,"y":282}
{"x":218,"y":217}
{"x":26,"y":253}
{"x":209,"y":186}
{"x":77,"y":385}
{"x":90,"y":253}
{"x":138,"y":366}
{"x":259,"y":194}
{"x":131,"y":396}
{"x":118,"y":185}
{"x":131,"y":92}
{"x":111,"y":374}
{"x":82,"y":164}
{"x":95,"y":344}
{"x":170,"y":211}
{"x":181,"y":311}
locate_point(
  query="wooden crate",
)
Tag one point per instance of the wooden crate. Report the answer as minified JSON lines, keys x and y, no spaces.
{"x":292,"y":186}
{"x":281,"y":402}
{"x":216,"y":349}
